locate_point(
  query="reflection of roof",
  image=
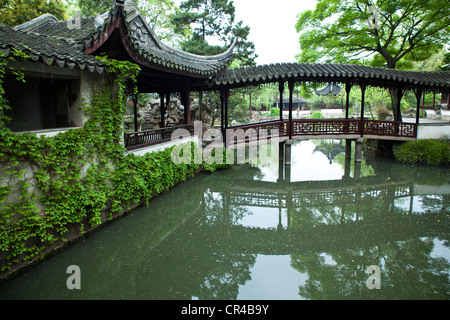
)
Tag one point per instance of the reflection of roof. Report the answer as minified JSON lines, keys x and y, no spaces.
{"x":47,"y":37}
{"x":324,"y":72}
{"x":331,"y":88}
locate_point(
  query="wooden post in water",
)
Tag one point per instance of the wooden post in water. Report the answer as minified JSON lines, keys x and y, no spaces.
{"x":358,"y":149}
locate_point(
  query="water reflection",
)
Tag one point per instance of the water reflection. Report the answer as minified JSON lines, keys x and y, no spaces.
{"x":267,"y":231}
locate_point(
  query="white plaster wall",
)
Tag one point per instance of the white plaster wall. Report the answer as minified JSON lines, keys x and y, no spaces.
{"x":433,"y":131}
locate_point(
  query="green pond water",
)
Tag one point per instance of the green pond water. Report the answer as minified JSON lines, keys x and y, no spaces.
{"x":265,"y":231}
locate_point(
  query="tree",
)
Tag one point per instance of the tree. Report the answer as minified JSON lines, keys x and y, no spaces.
{"x":16,"y":12}
{"x":389,"y":33}
{"x":157,"y":14}
{"x":214,"y":29}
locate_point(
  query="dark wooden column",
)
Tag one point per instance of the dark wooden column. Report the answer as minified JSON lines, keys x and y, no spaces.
{"x":163,"y":110}
{"x":222,"y":113}
{"x":200,"y":103}
{"x":226,"y":95}
{"x":418,"y":92}
{"x":348,"y":87}
{"x":291,"y":90}
{"x":399,"y":97}
{"x":186,"y":102}
{"x":363,"y":94}
{"x":281,"y":89}
{"x":135,"y":113}
{"x":167,"y":102}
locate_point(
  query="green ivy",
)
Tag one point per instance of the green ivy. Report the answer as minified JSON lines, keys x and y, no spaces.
{"x":78,"y":175}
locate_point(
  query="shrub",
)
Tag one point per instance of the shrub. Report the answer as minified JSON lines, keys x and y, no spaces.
{"x":429,"y":151}
{"x":317,"y":115}
{"x":274,"y":111}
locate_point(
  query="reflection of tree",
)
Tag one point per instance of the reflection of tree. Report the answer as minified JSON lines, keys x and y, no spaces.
{"x":407,"y":268}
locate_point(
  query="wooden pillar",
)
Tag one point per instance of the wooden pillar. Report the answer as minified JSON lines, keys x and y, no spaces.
{"x":227,"y":95}
{"x":222,"y":115}
{"x":166,"y":106}
{"x":363,"y":91}
{"x":358,"y":149}
{"x":348,"y":87}
{"x":186,"y":101}
{"x":200,"y":102}
{"x":434,"y":99}
{"x":418,"y":92}
{"x":281,"y":89}
{"x":291,"y":89}
{"x":163,"y":111}
{"x":135,"y":113}
{"x":399,"y":97}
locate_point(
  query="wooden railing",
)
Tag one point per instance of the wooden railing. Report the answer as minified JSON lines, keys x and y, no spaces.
{"x":313,"y":127}
{"x":325,"y":127}
{"x":141,"y":139}
{"x":390,"y":128}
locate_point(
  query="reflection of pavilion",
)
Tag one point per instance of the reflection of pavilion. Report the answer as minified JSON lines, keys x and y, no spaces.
{"x":218,"y":253}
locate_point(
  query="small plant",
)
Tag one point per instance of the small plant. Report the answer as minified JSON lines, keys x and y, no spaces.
{"x":274,"y":112}
{"x":317,"y":115}
{"x":428,"y":151}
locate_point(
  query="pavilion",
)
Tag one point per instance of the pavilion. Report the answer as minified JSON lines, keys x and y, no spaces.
{"x":62,"y":65}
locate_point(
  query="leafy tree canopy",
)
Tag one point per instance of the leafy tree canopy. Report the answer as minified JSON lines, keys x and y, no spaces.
{"x":390,"y":33}
{"x":213,"y":29}
{"x":16,"y":12}
{"x":157,"y":13}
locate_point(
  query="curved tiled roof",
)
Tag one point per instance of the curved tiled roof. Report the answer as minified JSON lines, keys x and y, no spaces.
{"x":318,"y":72}
{"x":50,"y":51}
{"x":145,"y":44}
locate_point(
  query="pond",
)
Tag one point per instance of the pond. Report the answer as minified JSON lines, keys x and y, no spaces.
{"x":311,"y":231}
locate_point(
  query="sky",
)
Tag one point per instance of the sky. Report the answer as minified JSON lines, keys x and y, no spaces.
{"x":272,"y":27}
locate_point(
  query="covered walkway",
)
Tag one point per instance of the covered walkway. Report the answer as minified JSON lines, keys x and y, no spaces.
{"x":397,"y":81}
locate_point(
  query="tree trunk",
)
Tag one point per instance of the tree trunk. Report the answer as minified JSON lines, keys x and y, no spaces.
{"x":393,"y":92}
{"x":395,"y":104}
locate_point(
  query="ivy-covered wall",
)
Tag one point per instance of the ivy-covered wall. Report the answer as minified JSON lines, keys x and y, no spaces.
{"x":54,"y":189}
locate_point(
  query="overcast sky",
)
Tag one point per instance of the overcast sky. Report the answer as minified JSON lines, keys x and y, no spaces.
{"x":272,"y":26}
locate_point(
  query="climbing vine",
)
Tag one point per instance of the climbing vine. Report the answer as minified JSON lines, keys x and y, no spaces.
{"x":77,"y":176}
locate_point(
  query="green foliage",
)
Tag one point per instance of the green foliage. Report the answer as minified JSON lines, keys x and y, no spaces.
{"x":213,"y":20}
{"x":339,"y":31}
{"x":274,"y":111}
{"x":77,"y":176}
{"x":316,"y":115}
{"x":427,"y":151}
{"x":16,"y":12}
